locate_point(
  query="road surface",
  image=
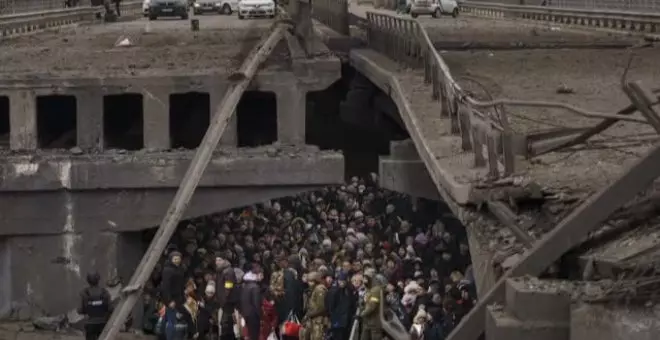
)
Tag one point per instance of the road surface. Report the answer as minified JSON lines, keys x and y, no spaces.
{"x":166,"y":45}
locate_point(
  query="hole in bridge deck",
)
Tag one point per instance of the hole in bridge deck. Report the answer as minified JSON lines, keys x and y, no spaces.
{"x":189,"y":118}
{"x":56,"y":122}
{"x":123,"y":121}
{"x":4,"y":122}
{"x":257,"y":119}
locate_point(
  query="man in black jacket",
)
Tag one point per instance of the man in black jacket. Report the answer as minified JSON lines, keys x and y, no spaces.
{"x":294,"y":289}
{"x":341,"y":304}
{"x":95,"y":304}
{"x":173,"y":282}
{"x":225,"y":290}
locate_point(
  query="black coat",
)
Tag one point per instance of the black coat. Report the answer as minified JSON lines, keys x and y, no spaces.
{"x":225,"y":289}
{"x":341,"y":304}
{"x":172,"y":284}
{"x":293,"y":295}
{"x":250,"y":301}
{"x":207,"y":315}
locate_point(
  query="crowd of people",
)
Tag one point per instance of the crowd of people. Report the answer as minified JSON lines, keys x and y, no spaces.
{"x":319,"y":260}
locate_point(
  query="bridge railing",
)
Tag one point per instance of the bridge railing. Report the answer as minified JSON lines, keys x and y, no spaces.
{"x":612,"y":19}
{"x":332,"y":13}
{"x":21,"y":23}
{"x":407,"y":42}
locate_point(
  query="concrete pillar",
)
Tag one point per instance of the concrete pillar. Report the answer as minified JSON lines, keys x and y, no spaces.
{"x":291,"y":106}
{"x":58,"y":265}
{"x":23,"y":120}
{"x":156,"y":119}
{"x":89,"y":116}
{"x":230,"y":136}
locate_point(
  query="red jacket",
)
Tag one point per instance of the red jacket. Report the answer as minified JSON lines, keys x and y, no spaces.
{"x":268,"y":319}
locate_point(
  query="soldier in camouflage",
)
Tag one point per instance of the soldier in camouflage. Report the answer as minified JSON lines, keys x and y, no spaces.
{"x":277,"y":279}
{"x":316,"y":319}
{"x":370,"y":316}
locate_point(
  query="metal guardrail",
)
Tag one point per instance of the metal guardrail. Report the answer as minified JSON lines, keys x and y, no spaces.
{"x":12,"y":25}
{"x":22,"y":23}
{"x":612,"y":19}
{"x":406,"y":41}
{"x":332,"y":13}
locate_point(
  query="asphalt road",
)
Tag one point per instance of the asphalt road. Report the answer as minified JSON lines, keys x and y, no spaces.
{"x":164,"y":45}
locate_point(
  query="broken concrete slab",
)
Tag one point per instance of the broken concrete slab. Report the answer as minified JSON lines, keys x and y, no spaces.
{"x":528,"y":303}
{"x":501,"y":325}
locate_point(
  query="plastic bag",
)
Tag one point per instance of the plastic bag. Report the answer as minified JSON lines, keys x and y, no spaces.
{"x":291,"y":327}
{"x":239,"y":325}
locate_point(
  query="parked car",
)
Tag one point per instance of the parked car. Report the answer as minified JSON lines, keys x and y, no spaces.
{"x":168,"y":8}
{"x":228,"y":7}
{"x":206,"y":6}
{"x":434,"y":8}
{"x":145,"y":7}
{"x":256,"y":8}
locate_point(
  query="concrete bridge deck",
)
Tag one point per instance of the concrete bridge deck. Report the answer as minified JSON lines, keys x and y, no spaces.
{"x":94,"y":193}
{"x":165,"y":46}
{"x":531,"y":61}
{"x":488,"y":58}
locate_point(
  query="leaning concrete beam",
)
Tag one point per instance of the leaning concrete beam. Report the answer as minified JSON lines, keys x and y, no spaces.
{"x":407,"y":176}
{"x":261,"y":167}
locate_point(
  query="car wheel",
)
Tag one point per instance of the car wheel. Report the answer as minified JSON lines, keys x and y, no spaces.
{"x":437,"y":13}
{"x":184,"y":17}
{"x":271,"y":16}
{"x":197,"y":13}
{"x":226,"y":9}
{"x":413,"y":15}
{"x":454,"y":13}
{"x":240,"y":17}
{"x":152,"y":17}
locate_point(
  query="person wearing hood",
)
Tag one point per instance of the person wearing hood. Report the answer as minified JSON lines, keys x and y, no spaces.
{"x":370,"y":316}
{"x":316,"y":320}
{"x":250,"y":304}
{"x":341,"y":305}
{"x":173,"y":282}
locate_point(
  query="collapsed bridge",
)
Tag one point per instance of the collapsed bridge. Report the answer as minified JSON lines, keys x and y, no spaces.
{"x":516,"y":172}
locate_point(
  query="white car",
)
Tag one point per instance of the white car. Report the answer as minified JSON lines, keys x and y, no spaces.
{"x":434,"y":8}
{"x":145,"y":7}
{"x":228,"y":6}
{"x":256,"y":8}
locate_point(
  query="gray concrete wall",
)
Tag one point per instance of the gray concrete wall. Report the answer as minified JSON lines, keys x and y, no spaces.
{"x":5,"y":281}
{"x":289,"y":88}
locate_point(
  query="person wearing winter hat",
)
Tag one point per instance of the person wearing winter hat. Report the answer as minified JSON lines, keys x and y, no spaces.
{"x":173,"y":282}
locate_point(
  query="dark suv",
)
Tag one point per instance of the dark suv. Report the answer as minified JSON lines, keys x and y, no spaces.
{"x":168,"y":8}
